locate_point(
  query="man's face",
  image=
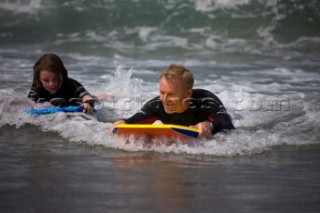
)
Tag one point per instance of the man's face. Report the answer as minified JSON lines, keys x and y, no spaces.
{"x":174,"y":97}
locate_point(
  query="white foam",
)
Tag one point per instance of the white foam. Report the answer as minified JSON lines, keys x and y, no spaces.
{"x":211,"y":5}
{"x":21,"y":6}
{"x":78,"y":129}
{"x":259,"y":127}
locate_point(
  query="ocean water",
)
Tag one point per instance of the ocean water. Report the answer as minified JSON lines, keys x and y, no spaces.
{"x":261,"y":58}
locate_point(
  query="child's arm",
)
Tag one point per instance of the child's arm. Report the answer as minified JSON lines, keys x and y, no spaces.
{"x":33,"y":96}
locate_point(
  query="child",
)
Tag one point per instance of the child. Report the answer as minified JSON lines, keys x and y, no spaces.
{"x":51,"y":84}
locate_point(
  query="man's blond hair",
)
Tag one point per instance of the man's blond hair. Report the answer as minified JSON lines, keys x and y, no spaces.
{"x":178,"y":72}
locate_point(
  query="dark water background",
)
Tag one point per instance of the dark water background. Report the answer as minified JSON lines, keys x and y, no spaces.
{"x":50,"y":174}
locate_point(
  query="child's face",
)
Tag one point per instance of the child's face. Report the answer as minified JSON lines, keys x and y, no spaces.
{"x":49,"y":81}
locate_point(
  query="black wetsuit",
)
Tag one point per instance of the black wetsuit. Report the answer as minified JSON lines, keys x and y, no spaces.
{"x":204,"y":106}
{"x":70,"y":94}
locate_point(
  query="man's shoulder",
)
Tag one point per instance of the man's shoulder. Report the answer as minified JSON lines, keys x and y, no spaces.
{"x":205,"y":95}
{"x":202,"y":93}
{"x":154,"y":101}
{"x":153,"y":105}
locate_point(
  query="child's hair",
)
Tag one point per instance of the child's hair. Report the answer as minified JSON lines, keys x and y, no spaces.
{"x":52,"y":63}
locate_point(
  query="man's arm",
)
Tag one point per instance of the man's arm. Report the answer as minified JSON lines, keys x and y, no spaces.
{"x":218,"y":117}
{"x":147,"y":115}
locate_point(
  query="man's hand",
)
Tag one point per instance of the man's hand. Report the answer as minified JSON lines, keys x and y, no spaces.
{"x":205,"y":129}
{"x":115,"y":124}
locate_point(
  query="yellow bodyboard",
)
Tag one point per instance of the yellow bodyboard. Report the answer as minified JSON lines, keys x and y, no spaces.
{"x":156,"y":130}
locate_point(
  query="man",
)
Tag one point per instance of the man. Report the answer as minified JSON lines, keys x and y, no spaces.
{"x":179,"y":104}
